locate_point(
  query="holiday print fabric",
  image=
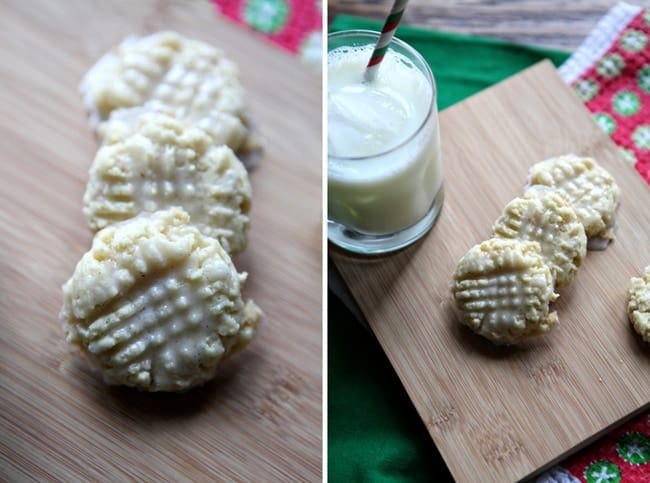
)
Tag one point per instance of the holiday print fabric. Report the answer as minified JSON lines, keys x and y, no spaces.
{"x":294,"y":25}
{"x":622,"y":456}
{"x":616,"y":89}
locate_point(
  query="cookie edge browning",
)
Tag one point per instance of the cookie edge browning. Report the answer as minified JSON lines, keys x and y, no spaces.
{"x":639,"y":318}
{"x":543,"y":323}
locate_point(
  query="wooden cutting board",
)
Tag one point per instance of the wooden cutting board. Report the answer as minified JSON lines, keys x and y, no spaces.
{"x":261,"y":419}
{"x":498,"y":414}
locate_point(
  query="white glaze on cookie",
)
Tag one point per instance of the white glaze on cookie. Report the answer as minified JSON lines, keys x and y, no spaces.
{"x":157,"y":305}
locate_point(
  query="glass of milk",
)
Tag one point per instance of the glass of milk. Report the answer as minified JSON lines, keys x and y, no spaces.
{"x":384,"y":168}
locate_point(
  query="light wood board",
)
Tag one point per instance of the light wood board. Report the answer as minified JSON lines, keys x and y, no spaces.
{"x":499,"y":413}
{"x":260,"y":420}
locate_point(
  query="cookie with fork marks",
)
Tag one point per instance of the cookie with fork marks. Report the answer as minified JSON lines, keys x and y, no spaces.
{"x":166,"y":72}
{"x":589,"y":188}
{"x":638,"y":306}
{"x":503,"y":289}
{"x":166,"y":163}
{"x":157,"y":305}
{"x":544,"y":216}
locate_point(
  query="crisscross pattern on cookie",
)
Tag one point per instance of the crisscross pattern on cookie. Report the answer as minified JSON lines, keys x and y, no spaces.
{"x":167,"y":73}
{"x":155,"y":311}
{"x":589,"y":188}
{"x":168,"y":163}
{"x":503,"y":289}
{"x":544,"y":216}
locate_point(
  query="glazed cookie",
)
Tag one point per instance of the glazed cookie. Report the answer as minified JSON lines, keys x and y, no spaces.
{"x":544,"y":216}
{"x":589,"y":188}
{"x":168,"y":73}
{"x":167,"y":163}
{"x":157,"y":305}
{"x":503,"y":289}
{"x":638,"y":306}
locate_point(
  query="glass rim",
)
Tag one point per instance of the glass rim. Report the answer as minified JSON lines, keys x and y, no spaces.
{"x":429,"y":74}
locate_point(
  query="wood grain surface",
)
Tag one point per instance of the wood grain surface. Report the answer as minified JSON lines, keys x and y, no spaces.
{"x":260,"y":420}
{"x":501,"y":412}
{"x":550,"y":23}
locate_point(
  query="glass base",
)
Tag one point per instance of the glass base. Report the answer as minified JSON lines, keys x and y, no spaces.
{"x":354,"y":241}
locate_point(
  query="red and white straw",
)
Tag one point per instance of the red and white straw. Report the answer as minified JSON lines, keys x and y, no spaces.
{"x":387,"y":32}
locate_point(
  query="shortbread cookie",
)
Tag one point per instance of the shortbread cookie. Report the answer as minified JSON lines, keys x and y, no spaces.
{"x":638,"y":306}
{"x":169,"y":163}
{"x":168,"y":73}
{"x":590,"y":189}
{"x":503,"y":289}
{"x":544,"y":216}
{"x":157,"y":305}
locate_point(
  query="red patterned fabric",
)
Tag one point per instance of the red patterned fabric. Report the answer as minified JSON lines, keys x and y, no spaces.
{"x":617,"y":91}
{"x":622,"y":456}
{"x":287,"y":23}
{"x":625,"y":451}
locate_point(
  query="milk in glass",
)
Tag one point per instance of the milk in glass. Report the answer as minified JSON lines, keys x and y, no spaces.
{"x":384,"y":167}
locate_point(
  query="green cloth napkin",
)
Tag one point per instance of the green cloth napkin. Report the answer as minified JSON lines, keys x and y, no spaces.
{"x":374,"y":432}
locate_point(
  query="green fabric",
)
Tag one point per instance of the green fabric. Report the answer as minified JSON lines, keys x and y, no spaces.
{"x":374,"y":432}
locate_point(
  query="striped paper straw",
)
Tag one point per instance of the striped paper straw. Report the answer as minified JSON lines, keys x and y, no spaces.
{"x":386,"y":36}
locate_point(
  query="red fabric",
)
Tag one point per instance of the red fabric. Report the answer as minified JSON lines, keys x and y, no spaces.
{"x":612,"y":449}
{"x":304,"y":17}
{"x":613,"y":83}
